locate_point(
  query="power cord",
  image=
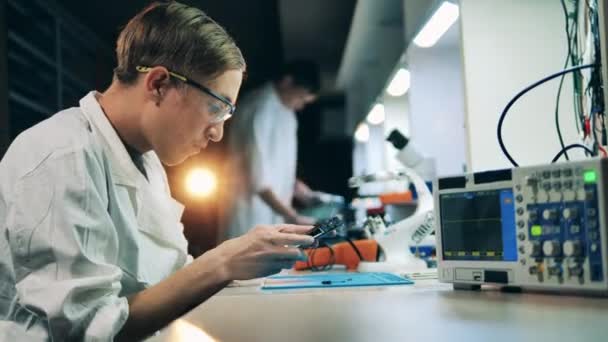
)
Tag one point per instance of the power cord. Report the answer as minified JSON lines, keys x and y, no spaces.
{"x":355,"y":248}
{"x":569,"y":147}
{"x":332,"y":256}
{"x":522,"y":93}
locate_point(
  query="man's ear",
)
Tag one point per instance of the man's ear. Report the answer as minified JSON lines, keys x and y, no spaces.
{"x":157,"y":83}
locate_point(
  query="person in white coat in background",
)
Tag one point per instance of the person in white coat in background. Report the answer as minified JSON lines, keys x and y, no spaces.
{"x":262,"y":145}
{"x":91,"y":245}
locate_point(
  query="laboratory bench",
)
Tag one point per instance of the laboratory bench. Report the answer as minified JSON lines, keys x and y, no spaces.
{"x":425,"y":311}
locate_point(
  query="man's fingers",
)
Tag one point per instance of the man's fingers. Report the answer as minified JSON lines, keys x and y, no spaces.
{"x":294,"y":228}
{"x":287,"y":254}
{"x":289,"y":239}
{"x":276,"y":268}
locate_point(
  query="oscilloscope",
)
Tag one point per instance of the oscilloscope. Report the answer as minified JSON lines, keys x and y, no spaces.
{"x":539,"y":227}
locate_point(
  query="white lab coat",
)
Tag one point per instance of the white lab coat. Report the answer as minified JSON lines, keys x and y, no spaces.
{"x":81,"y":228}
{"x":263,"y":154}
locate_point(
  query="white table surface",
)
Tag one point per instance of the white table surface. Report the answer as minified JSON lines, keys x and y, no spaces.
{"x":426,"y":311}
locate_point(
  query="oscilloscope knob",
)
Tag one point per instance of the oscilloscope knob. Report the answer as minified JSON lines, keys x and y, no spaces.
{"x":551,"y":248}
{"x":572,"y":248}
{"x":570,"y":213}
{"x":550,"y":214}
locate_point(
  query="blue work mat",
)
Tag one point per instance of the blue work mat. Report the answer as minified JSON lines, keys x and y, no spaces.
{"x":301,"y":281}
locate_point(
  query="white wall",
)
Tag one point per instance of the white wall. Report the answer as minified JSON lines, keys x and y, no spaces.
{"x":397,"y":113}
{"x":508,"y":45}
{"x":436,"y":105}
{"x":377,"y":154}
{"x":369,"y":158}
{"x":397,"y":117}
{"x":431,"y":113}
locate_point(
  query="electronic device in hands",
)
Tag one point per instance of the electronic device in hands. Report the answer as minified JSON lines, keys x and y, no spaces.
{"x":325,"y":227}
{"x":539,"y":227}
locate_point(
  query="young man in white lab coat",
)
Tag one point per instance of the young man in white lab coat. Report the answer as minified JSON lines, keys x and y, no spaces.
{"x":92,"y":247}
{"x":263,"y":151}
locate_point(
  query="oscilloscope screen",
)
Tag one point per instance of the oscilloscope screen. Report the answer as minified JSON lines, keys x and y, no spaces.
{"x":478,"y":225}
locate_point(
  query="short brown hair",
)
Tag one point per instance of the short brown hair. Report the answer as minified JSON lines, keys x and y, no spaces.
{"x":181,"y":38}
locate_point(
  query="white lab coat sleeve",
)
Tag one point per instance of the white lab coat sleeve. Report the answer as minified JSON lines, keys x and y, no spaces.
{"x":65,"y":248}
{"x":261,"y":149}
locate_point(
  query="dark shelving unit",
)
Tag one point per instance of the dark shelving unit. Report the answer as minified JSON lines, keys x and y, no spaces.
{"x":48,"y":61}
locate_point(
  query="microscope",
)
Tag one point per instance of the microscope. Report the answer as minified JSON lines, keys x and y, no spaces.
{"x":394,"y":240}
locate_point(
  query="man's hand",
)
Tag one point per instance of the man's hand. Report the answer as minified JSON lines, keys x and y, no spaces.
{"x":303,"y":194}
{"x":264,"y":250}
{"x":288,"y":213}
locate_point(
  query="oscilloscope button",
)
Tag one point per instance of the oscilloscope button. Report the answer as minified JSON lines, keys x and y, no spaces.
{"x":593,"y":247}
{"x":575,"y":229}
{"x":533,"y":215}
{"x":576,"y":271}
{"x":535,"y":250}
{"x":533,"y":270}
{"x":552,"y":248}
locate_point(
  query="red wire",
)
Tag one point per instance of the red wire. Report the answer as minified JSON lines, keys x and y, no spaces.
{"x":602,"y":149}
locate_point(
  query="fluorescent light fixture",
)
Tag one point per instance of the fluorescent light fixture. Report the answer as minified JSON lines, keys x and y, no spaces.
{"x":440,"y":22}
{"x":400,"y":83}
{"x":376,"y":116}
{"x":362,"y":132}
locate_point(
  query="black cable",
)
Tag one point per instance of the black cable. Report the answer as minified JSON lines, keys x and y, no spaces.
{"x":328,"y":266}
{"x":576,"y":59}
{"x":595,"y":142}
{"x":332,"y":258}
{"x":595,"y":86}
{"x":557,"y":126}
{"x":604,"y":134}
{"x":355,"y":248}
{"x":522,"y":93}
{"x":569,"y":147}
{"x":561,"y":81}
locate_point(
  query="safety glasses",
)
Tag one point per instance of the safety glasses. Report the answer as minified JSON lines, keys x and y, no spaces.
{"x":221,"y":111}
